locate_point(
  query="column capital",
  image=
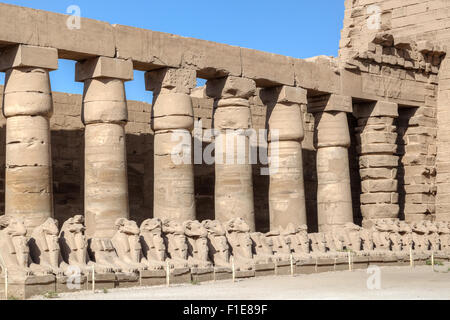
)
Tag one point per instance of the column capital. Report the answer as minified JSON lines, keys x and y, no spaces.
{"x":331,"y":130}
{"x":28,"y":56}
{"x":171,"y":80}
{"x":284,"y":95}
{"x":104,"y":67}
{"x":230,"y":87}
{"x":376,"y":109}
{"x":330,"y":103}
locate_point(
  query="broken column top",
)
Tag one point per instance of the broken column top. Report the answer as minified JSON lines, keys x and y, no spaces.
{"x":230,"y":87}
{"x":284,"y":94}
{"x":377,"y":109}
{"x":28,"y":56}
{"x":171,"y":80}
{"x":104,"y":67}
{"x":330,"y":103}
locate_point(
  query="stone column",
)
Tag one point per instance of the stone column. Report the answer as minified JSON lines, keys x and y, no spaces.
{"x":332,"y":140}
{"x":232,"y":117}
{"x":172,"y":123}
{"x":105,"y":115}
{"x":27,"y":107}
{"x":378,"y":162}
{"x":286,"y":190}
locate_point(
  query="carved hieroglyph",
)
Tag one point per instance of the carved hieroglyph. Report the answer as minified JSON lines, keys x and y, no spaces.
{"x":105,"y":115}
{"x":232,"y":116}
{"x":172,"y":122}
{"x":28,"y":106}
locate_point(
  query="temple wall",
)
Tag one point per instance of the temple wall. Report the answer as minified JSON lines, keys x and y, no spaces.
{"x":415,"y":19}
{"x":412,"y":56}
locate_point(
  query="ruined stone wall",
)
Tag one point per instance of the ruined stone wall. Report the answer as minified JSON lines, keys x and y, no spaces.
{"x":415,"y":19}
{"x":406,"y":50}
{"x":67,"y":133}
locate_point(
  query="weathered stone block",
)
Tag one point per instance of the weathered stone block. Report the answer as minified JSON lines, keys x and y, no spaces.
{"x":104,"y":67}
{"x":230,"y":87}
{"x":171,"y":80}
{"x":28,"y":56}
{"x":379,"y":186}
{"x":330,"y":103}
{"x":267,"y":69}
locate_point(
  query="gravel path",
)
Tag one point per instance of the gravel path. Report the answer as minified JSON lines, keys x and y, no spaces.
{"x":396,"y":283}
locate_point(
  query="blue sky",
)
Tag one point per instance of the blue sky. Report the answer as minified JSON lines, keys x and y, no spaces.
{"x":297,"y":28}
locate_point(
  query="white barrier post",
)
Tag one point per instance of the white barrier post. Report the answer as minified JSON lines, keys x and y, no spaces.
{"x":93,"y":278}
{"x":432,"y":260}
{"x":292,"y":265}
{"x":233,"y":269}
{"x":276,"y":267}
{"x":167,"y":273}
{"x":349,"y":261}
{"x":411,"y":260}
{"x":6,"y":283}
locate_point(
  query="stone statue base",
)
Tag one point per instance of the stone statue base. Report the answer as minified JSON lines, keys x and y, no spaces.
{"x":305,"y":266}
{"x":27,"y":286}
{"x":127,"y":279}
{"x":240,"y":274}
{"x":67,"y":284}
{"x":360,"y":261}
{"x":180,"y":275}
{"x":283,"y":268}
{"x":102,"y":281}
{"x":264,"y":269}
{"x":202,"y":274}
{"x":222,"y":273}
{"x":151,"y":278}
{"x":325,"y":265}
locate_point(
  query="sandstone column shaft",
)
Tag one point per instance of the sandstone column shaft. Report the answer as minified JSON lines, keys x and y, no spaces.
{"x":105,"y":116}
{"x":377,"y":139}
{"x":232,"y":117}
{"x":172,"y":123}
{"x":332,"y":140}
{"x":27,"y":107}
{"x":286,"y":190}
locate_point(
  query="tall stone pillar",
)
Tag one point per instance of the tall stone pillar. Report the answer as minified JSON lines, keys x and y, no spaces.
{"x":172,"y":123}
{"x":105,"y":115}
{"x":232,"y":117}
{"x":378,"y":162}
{"x":332,"y":140}
{"x":27,"y":107}
{"x":286,"y":190}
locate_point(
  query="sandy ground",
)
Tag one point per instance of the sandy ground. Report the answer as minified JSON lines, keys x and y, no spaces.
{"x":396,"y":283}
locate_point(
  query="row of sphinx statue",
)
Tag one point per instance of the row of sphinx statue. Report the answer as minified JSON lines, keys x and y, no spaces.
{"x":160,"y":244}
